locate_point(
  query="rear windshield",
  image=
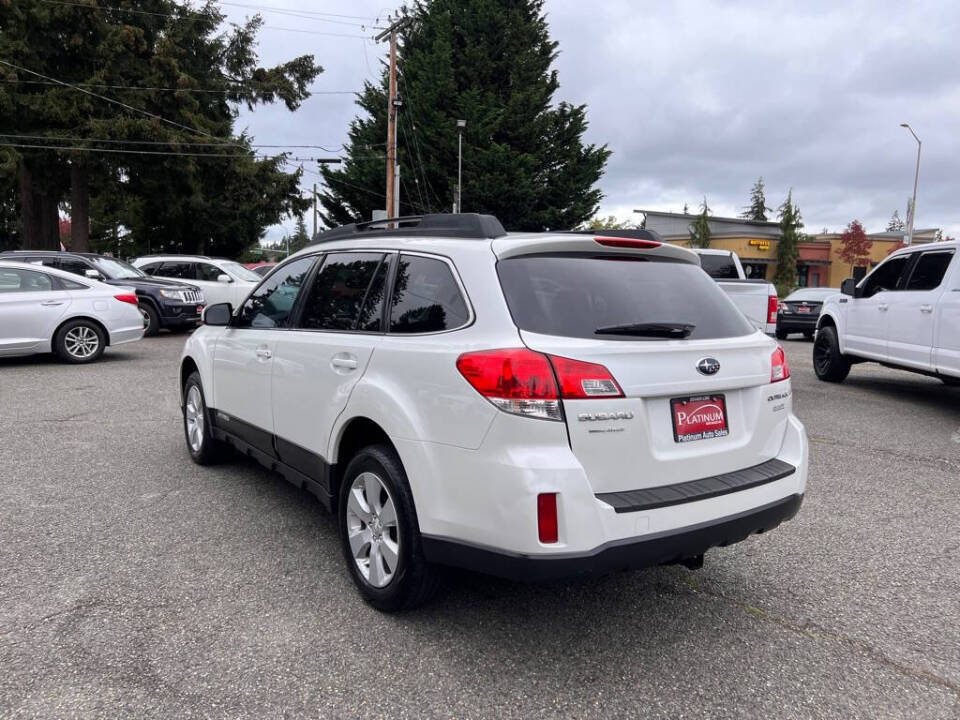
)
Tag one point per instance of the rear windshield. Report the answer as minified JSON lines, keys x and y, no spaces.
{"x":719,"y":267}
{"x":577,"y":295}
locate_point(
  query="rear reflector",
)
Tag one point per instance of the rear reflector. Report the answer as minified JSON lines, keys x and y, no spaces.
{"x":547,"y":518}
{"x":127,"y":298}
{"x":627,"y":243}
{"x":780,"y":368}
{"x":772,"y":305}
{"x":582,"y":380}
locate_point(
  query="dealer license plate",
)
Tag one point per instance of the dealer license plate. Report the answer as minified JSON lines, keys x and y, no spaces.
{"x":700,"y":417}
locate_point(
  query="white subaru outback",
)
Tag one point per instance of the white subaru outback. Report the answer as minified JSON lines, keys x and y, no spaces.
{"x":535,"y":406}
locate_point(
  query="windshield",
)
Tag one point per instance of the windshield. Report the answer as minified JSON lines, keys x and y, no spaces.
{"x":815,"y":294}
{"x":614,"y":297}
{"x":113,"y":269}
{"x":719,"y":267}
{"x":240,"y":271}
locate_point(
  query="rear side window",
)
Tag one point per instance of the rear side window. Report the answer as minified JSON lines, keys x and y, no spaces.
{"x":580,"y":295}
{"x":24,"y":281}
{"x":719,"y":267}
{"x":270,"y":305}
{"x":150,"y":268}
{"x":340,"y":290}
{"x":206,"y":271}
{"x":929,"y":271}
{"x":178,"y":270}
{"x":426,"y":297}
{"x":74,"y":265}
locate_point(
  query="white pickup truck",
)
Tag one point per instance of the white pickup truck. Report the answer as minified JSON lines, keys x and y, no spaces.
{"x":757,"y":299}
{"x":904,"y":314}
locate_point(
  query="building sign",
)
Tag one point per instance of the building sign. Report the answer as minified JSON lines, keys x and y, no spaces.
{"x":760,"y":244}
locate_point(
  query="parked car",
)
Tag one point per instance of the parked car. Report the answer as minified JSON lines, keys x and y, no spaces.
{"x":47,"y":310}
{"x":800,"y":310}
{"x":163,"y":303}
{"x":222,"y":281}
{"x":534,"y":406}
{"x":263,"y":269}
{"x":904,"y":314}
{"x":757,"y":299}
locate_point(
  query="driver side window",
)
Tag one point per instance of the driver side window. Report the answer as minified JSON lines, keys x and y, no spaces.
{"x":270,"y":305}
{"x":888,"y":276}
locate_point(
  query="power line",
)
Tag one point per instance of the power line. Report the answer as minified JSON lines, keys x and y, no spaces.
{"x":111,"y":100}
{"x":304,"y":12}
{"x":162,"y":89}
{"x":115,"y":141}
{"x":192,"y":12}
{"x":126,"y":151}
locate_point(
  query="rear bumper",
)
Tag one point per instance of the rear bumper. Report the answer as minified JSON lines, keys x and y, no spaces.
{"x":125,"y":335}
{"x":629,"y":554}
{"x":797,"y":323}
{"x":179,"y":316}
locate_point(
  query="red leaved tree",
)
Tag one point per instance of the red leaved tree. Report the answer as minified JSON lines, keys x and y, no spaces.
{"x":855,"y":245}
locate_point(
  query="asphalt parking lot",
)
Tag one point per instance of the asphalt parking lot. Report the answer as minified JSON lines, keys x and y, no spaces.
{"x":136,"y":584}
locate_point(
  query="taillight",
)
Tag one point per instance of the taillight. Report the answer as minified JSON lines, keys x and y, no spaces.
{"x":772,"y":305}
{"x":517,"y":381}
{"x":582,"y":380}
{"x":547,"y":526}
{"x":627,"y":243}
{"x":127,"y":298}
{"x":780,"y":368}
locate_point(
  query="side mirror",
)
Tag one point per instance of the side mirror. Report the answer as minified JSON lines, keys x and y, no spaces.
{"x":849,"y":287}
{"x":217,"y":315}
{"x":224,"y":278}
{"x":92,"y":274}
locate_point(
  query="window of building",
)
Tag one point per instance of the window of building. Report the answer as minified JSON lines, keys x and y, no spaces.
{"x":803,"y":275}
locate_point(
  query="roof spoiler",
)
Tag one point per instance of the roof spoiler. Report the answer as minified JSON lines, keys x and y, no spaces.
{"x":629,"y":234}
{"x":446,"y":225}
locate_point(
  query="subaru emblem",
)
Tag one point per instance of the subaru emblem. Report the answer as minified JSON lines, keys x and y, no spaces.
{"x":708,"y":366}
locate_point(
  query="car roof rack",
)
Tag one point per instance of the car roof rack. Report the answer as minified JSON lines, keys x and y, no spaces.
{"x":446,"y":225}
{"x":629,"y":234}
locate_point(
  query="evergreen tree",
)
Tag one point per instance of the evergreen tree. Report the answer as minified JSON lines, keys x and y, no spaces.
{"x":791,"y":235}
{"x":757,"y":210}
{"x":686,"y":209}
{"x":895,"y":222}
{"x":700,"y":227}
{"x":180,"y":202}
{"x":524,"y":159}
{"x":300,"y":237}
{"x":608,"y":223}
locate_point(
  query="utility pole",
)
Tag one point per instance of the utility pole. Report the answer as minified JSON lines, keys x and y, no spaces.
{"x":316,"y":197}
{"x":461,"y":124}
{"x":916,"y":179}
{"x":393,"y":204}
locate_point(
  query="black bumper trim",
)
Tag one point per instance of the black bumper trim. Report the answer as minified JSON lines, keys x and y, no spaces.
{"x":630,"y":554}
{"x":702,"y":489}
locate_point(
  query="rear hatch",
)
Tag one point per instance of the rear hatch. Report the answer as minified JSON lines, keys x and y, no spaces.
{"x":694,"y":375}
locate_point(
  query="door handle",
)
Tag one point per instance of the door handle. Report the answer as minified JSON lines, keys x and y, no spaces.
{"x":51,"y":303}
{"x":882,"y":307}
{"x":264,"y":353}
{"x":926,"y":308}
{"x":344,"y":363}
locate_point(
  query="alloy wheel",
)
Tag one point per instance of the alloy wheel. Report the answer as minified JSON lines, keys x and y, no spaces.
{"x":372,"y":529}
{"x":81,"y":342}
{"x":193,"y":412}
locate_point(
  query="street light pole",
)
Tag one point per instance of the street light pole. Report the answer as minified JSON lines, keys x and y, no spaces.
{"x":916,"y":179}
{"x":461,"y":124}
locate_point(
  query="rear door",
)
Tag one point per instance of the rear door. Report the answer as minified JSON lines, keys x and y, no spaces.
{"x":947,"y":323}
{"x":698,"y":400}
{"x":320,"y":359}
{"x":31,"y":305}
{"x":911,"y":315}
{"x":866,"y":317}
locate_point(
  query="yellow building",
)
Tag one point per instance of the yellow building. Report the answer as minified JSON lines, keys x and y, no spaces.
{"x":818,"y":265}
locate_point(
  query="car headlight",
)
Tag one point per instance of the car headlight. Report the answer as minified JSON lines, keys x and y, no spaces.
{"x":178,"y":295}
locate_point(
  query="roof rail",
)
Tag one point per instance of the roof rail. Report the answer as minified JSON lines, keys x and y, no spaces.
{"x":630,"y":234}
{"x":461,"y":225}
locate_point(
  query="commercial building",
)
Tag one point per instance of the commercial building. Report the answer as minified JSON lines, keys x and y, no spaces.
{"x":818,"y":265}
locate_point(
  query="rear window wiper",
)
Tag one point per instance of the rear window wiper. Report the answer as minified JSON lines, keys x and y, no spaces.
{"x":651,"y":329}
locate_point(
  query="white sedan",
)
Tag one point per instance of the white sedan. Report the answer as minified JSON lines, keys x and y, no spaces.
{"x":47,"y":310}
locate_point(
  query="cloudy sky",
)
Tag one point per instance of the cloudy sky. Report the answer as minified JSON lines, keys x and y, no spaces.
{"x":700,"y":98}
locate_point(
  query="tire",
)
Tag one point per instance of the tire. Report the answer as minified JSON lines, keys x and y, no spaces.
{"x":204,"y":449}
{"x":151,"y":320}
{"x":781,"y":334}
{"x":375,"y":476}
{"x":829,"y":363}
{"x":79,"y":341}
